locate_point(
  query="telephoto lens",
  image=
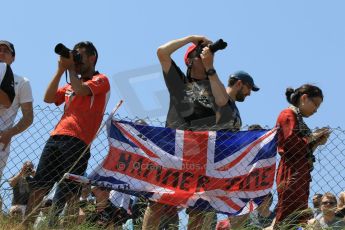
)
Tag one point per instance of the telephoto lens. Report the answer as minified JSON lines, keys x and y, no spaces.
{"x":214,"y":47}
{"x":62,"y":50}
{"x":218,"y":45}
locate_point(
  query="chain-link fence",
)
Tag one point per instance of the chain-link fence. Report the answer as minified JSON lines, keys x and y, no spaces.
{"x":327,"y":175}
{"x":28,"y":146}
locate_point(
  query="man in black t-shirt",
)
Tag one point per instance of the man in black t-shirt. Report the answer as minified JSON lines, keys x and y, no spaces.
{"x":194,"y":101}
{"x":194,"y":97}
{"x":198,"y":101}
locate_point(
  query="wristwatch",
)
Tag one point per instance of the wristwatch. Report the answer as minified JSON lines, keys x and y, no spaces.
{"x":211,"y":72}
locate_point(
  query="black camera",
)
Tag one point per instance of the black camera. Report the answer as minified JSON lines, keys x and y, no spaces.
{"x":340,"y":213}
{"x":28,"y":170}
{"x":63,"y":51}
{"x":214,"y":47}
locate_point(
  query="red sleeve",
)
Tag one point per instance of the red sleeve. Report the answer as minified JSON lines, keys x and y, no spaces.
{"x":289,"y":138}
{"x":98,"y":84}
{"x":60,"y":95}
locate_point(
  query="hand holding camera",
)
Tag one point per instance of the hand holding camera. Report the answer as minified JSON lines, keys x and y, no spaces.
{"x":68,"y":58}
{"x":213,"y":47}
{"x":340,"y":212}
{"x":200,"y":40}
{"x":63,"y":51}
{"x":27,"y":170}
{"x":65,"y":64}
{"x":207,"y":58}
{"x":206,"y":51}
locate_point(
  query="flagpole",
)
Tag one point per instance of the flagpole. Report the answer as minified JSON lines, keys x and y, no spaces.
{"x":104,"y":123}
{"x":77,"y":178}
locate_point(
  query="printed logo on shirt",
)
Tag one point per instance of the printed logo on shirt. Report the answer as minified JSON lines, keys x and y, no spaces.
{"x":200,"y":93}
{"x":99,"y":80}
{"x":70,"y":95}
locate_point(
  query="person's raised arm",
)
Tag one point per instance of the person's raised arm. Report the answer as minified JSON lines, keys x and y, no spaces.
{"x":49,"y":96}
{"x":79,"y":87}
{"x":218,"y":89}
{"x":23,"y":124}
{"x":164,"y":51}
{"x":26,"y":120}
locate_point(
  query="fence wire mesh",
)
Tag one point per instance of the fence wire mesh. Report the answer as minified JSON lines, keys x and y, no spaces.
{"x":327,"y":175}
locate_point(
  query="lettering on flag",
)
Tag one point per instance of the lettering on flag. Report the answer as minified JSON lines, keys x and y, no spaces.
{"x":219,"y":170}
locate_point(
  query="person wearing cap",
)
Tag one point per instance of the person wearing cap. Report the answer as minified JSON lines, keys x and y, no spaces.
{"x":21,"y":97}
{"x":194,"y":97}
{"x":7,"y":92}
{"x":194,"y":100}
{"x":68,"y":148}
{"x":240,"y":85}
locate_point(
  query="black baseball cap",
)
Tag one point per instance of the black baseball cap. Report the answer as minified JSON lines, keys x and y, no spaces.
{"x":245,"y":77}
{"x":9,"y":45}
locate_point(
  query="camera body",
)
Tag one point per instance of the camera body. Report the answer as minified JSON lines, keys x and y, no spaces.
{"x":214,"y":47}
{"x":28,"y":170}
{"x":340,"y":213}
{"x":63,"y":51}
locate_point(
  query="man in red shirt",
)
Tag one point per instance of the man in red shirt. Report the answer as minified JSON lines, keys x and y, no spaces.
{"x":85,"y":98}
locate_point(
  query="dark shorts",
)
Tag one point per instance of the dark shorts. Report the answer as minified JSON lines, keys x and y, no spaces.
{"x":58,"y":156}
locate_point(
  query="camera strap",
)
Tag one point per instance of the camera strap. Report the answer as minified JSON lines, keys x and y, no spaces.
{"x":66,"y":76}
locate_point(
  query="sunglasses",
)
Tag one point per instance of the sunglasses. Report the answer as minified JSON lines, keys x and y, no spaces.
{"x":328,"y":203}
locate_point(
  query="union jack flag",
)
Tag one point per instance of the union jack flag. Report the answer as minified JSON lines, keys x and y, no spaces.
{"x":225,"y":171}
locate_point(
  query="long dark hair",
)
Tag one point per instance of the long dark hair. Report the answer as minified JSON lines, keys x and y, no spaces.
{"x":293,"y":95}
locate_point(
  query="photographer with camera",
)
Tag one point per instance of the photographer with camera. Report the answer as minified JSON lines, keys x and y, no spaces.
{"x":20,"y":184}
{"x":194,"y":100}
{"x":85,"y":98}
{"x":194,"y":96}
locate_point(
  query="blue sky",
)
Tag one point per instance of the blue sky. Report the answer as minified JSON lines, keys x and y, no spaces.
{"x":280,"y":43}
